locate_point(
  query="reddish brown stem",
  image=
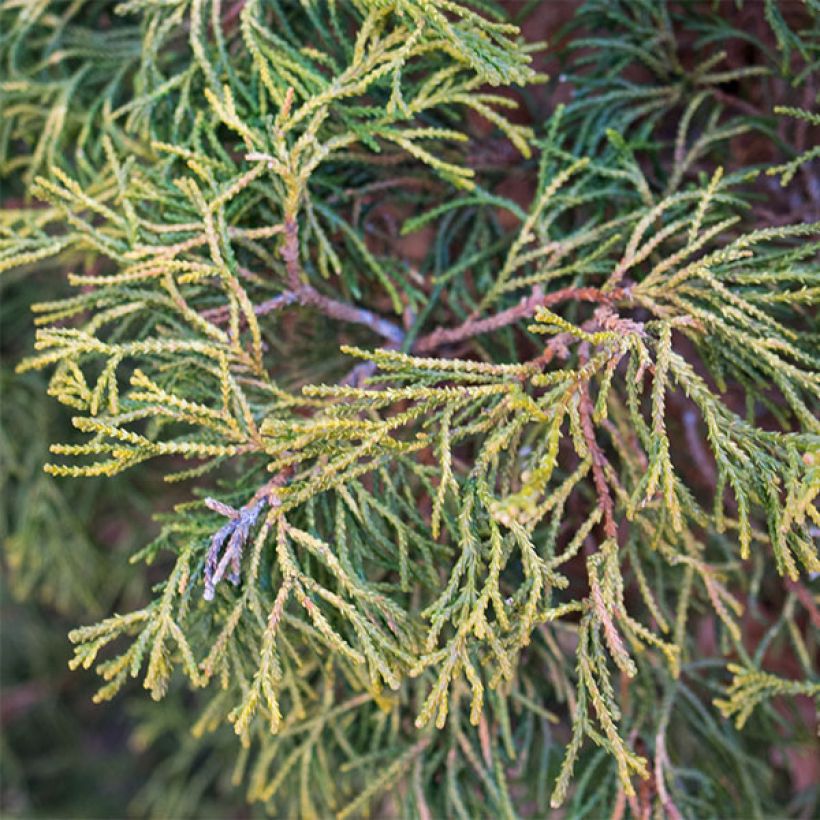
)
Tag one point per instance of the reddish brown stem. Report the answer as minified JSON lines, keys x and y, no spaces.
{"x":526,"y":308}
{"x":308,"y":295}
{"x":598,"y":462}
{"x":290,"y":253}
{"x":220,"y":315}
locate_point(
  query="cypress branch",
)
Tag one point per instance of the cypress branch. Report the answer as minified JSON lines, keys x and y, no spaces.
{"x":587,"y":425}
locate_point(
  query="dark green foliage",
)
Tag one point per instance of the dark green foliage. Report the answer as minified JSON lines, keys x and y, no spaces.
{"x":451,"y":524}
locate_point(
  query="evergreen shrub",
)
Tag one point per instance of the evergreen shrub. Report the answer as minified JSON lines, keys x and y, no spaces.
{"x":490,"y":421}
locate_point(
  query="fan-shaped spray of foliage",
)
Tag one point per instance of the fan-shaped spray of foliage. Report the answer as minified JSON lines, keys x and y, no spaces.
{"x":506,"y":497}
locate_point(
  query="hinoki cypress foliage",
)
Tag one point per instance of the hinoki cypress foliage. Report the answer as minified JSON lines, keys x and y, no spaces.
{"x":455,"y":521}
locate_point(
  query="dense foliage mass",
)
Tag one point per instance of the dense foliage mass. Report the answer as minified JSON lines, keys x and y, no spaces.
{"x":492,"y":420}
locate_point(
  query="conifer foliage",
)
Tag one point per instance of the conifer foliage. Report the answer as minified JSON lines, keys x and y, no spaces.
{"x":453,"y":524}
